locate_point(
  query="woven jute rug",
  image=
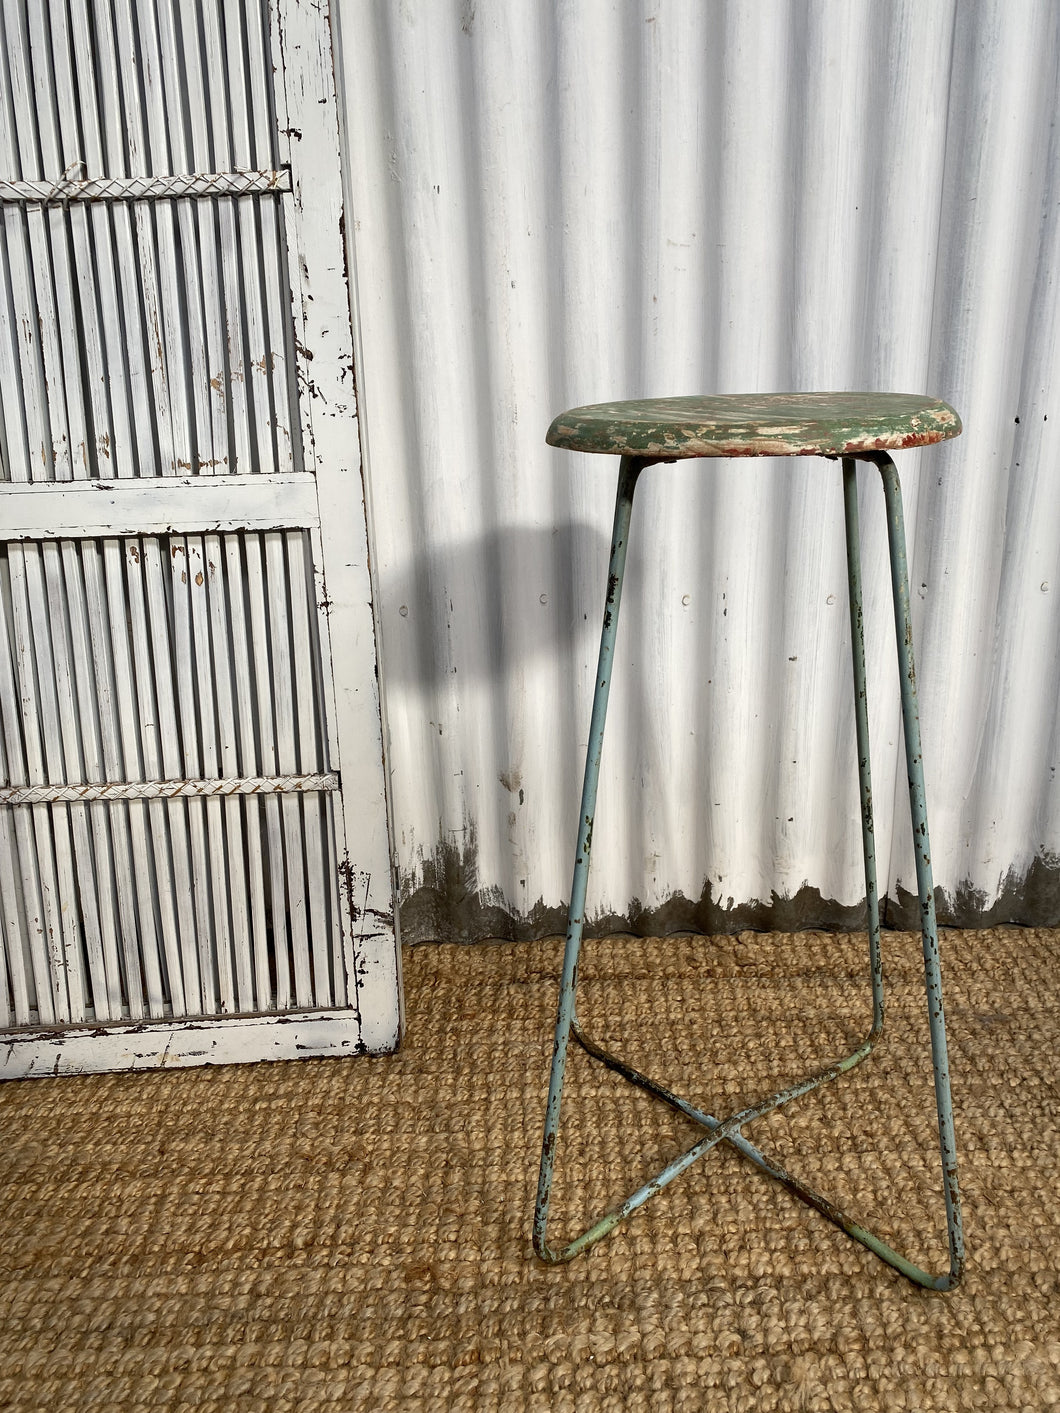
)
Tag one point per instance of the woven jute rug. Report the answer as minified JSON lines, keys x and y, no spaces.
{"x":354,"y":1234}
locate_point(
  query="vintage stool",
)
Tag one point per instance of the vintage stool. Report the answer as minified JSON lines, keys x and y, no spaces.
{"x":854,"y":427}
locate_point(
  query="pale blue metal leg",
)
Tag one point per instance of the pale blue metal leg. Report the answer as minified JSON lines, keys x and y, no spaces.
{"x":728,"y":1130}
{"x":629,"y":470}
{"x":861,"y":726}
{"x":903,"y":627}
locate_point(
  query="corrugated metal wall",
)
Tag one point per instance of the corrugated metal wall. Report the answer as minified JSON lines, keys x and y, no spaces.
{"x":562,"y":203}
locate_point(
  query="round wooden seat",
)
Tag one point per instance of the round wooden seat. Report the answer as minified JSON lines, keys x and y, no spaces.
{"x":757,"y":424}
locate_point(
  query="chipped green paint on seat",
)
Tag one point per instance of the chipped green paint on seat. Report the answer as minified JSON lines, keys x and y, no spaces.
{"x":758,"y":424}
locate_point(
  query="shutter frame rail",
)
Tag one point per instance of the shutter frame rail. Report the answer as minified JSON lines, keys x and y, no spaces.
{"x":37,"y":1051}
{"x":158,"y":505}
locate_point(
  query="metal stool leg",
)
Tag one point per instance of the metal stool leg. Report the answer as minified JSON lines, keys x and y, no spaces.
{"x":925,"y":885}
{"x":861,"y":727}
{"x":729,"y":1130}
{"x":629,"y":470}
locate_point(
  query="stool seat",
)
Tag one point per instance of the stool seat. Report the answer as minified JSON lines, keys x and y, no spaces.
{"x":756,"y":424}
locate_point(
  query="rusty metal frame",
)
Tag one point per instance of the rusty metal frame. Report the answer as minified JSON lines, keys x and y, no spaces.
{"x":730,"y":1130}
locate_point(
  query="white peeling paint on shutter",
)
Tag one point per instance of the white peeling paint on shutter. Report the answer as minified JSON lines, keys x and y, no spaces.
{"x":182,"y":539}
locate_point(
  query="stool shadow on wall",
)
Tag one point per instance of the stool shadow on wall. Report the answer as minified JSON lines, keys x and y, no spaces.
{"x":488,"y":649}
{"x":477,"y":609}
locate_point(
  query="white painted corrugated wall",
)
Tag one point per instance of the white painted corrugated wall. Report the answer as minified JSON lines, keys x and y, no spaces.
{"x":559,"y":203}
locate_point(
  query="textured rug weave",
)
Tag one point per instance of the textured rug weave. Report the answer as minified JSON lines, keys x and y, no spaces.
{"x":354,"y":1235}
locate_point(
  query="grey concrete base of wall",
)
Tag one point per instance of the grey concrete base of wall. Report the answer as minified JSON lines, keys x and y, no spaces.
{"x":448,"y":906}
